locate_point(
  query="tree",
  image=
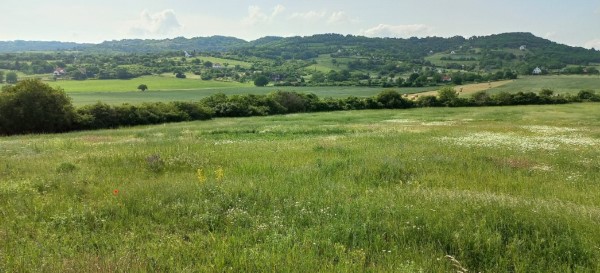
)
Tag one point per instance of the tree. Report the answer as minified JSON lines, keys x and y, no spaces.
{"x":11,"y":77}
{"x":392,"y":100}
{"x":1,"y":77}
{"x":32,"y":106}
{"x":180,"y":75}
{"x":447,"y":96}
{"x":142,"y":87}
{"x":261,"y":81}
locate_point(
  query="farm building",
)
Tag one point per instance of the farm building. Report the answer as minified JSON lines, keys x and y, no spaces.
{"x":523,"y":47}
{"x":59,"y":72}
{"x":537,"y":71}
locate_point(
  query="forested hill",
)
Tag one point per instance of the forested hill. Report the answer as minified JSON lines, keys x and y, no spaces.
{"x":20,"y":46}
{"x":494,"y":51}
{"x":201,"y":44}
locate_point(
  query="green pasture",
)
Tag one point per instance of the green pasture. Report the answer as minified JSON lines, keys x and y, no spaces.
{"x":136,"y":97}
{"x":153,"y":83}
{"x":436,"y":59}
{"x":325,"y":64}
{"x":230,"y":62}
{"x":485,"y":189}
{"x":563,"y":84}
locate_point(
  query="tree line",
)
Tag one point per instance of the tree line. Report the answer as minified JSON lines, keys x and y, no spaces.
{"x":32,"y":106}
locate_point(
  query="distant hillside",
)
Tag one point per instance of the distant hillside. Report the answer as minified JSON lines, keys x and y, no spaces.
{"x":521,"y":52}
{"x":19,"y":46}
{"x":204,"y":44}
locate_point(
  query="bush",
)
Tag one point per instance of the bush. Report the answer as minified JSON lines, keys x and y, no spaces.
{"x":31,"y":106}
{"x":392,"y":100}
{"x":291,"y":101}
{"x":587,"y":95}
{"x":261,"y":81}
{"x":101,"y":115}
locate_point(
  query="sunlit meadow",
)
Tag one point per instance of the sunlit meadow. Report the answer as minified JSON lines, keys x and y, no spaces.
{"x":496,"y":189}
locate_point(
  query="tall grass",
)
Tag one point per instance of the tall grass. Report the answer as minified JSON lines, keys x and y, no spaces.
{"x":375,"y":191}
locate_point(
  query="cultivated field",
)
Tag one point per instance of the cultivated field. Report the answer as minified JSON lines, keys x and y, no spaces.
{"x":560,"y":84}
{"x":496,"y":189}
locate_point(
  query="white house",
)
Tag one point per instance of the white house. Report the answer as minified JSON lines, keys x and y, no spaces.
{"x":59,"y":72}
{"x":537,"y":71}
{"x":523,"y":47}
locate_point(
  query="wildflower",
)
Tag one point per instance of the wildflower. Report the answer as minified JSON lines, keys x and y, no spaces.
{"x":219,"y":174}
{"x":201,"y":176}
{"x":116,"y":192}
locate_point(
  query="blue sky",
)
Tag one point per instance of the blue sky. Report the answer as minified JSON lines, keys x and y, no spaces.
{"x":575,"y":22}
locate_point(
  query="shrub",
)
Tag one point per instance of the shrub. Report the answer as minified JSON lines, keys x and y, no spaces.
{"x":291,"y":101}
{"x":261,"y":81}
{"x":447,"y":96}
{"x":31,"y":106}
{"x":587,"y":95}
{"x":392,"y":100}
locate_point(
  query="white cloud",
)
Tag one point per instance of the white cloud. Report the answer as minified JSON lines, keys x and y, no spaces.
{"x":160,"y":23}
{"x":256,"y":15}
{"x":309,"y":16}
{"x":550,"y":35}
{"x":279,"y":9}
{"x":593,"y":44}
{"x":339,"y":17}
{"x":399,"y":31}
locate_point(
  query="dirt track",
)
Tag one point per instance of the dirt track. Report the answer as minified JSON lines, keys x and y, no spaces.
{"x":465,"y":89}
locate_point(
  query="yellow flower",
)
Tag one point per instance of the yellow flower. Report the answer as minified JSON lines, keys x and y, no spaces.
{"x":219,"y":174}
{"x":201,"y":176}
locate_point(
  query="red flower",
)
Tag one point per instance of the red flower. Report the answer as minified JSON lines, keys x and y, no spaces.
{"x":116,"y":192}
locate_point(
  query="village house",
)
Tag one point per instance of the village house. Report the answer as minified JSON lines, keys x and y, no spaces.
{"x":58,"y":72}
{"x":537,"y":71}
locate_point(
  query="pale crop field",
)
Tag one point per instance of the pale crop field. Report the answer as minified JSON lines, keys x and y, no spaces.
{"x":562,"y":84}
{"x":494,"y":189}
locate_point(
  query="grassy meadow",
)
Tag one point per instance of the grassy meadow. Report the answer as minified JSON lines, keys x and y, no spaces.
{"x":495,"y":189}
{"x":157,"y":83}
{"x":136,"y":97}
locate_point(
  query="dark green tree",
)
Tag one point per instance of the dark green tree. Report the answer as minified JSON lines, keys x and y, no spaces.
{"x":142,"y":87}
{"x":32,"y":106}
{"x":261,"y":81}
{"x":447,"y":96}
{"x":1,"y":76}
{"x":11,"y":77}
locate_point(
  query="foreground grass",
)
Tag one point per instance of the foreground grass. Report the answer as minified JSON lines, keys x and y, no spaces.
{"x":500,"y":189}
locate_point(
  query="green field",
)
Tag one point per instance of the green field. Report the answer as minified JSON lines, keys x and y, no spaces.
{"x":169,"y":88}
{"x":157,"y":83}
{"x":436,"y":59}
{"x":222,"y":61}
{"x":499,"y":189}
{"x":136,"y":97}
{"x":325,"y":64}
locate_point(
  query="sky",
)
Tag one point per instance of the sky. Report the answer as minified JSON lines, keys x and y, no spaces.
{"x":571,"y":22}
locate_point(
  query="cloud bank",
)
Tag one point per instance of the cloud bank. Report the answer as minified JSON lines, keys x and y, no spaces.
{"x":160,"y":23}
{"x":398,"y":31}
{"x":593,"y":44}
